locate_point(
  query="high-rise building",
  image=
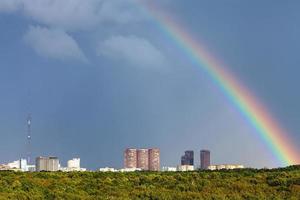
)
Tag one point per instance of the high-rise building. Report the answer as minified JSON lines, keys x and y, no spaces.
{"x":47,"y":164}
{"x":187,"y":158}
{"x":130,"y":158}
{"x":154,"y":159}
{"x":143,"y":159}
{"x":204,"y":159}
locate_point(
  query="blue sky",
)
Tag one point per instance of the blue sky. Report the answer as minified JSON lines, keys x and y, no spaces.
{"x":99,"y":76}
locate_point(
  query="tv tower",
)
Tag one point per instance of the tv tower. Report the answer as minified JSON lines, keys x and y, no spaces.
{"x":29,"y":139}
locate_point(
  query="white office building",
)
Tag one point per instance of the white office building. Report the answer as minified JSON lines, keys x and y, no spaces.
{"x":74,"y":163}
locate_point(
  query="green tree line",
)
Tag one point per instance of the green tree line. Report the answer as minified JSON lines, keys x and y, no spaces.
{"x":283,"y":183}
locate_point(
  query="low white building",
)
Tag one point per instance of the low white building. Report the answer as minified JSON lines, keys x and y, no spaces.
{"x":31,"y":168}
{"x":130,"y":170}
{"x":73,"y":165}
{"x":184,"y":168}
{"x":14,"y":164}
{"x":107,"y":169}
{"x":4,"y":167}
{"x":169,"y":169}
{"x":19,"y":165}
{"x":225,"y":166}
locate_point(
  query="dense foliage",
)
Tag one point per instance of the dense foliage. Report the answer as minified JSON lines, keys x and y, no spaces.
{"x":231,"y":184}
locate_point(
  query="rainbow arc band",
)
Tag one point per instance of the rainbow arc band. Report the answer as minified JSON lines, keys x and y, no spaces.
{"x":255,"y":113}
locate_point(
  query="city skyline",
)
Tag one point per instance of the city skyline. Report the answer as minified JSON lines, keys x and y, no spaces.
{"x":135,"y":159}
{"x":113,"y":75}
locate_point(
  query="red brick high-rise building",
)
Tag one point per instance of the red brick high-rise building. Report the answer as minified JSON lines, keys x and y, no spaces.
{"x":154,"y":159}
{"x":130,"y":158}
{"x":145,"y":159}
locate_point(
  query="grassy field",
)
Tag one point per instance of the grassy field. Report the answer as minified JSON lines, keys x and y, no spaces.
{"x":233,"y":184}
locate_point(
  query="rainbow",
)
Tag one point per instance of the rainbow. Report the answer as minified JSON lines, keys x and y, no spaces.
{"x":255,"y":113}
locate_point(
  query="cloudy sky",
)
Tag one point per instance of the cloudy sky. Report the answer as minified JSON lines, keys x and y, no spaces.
{"x":100,"y":75}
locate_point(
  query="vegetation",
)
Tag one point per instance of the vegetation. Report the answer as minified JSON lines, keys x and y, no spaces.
{"x":225,"y":184}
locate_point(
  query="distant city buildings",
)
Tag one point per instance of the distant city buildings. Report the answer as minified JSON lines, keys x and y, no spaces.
{"x":225,"y":166}
{"x":204,"y":159}
{"x":47,"y":164}
{"x":134,"y":160}
{"x":187,"y":158}
{"x":144,"y":159}
{"x":184,"y":168}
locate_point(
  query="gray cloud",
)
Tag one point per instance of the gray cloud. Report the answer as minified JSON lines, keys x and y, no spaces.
{"x":134,"y":50}
{"x":53,"y":43}
{"x":10,"y":5}
{"x":75,"y":14}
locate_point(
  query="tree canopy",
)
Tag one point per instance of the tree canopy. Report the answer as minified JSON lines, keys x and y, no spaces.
{"x":283,"y":183}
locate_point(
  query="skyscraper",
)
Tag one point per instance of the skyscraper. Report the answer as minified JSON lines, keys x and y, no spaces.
{"x":154,"y":159}
{"x":130,"y":158}
{"x":187,"y":158}
{"x":143,"y":159}
{"x":205,"y":159}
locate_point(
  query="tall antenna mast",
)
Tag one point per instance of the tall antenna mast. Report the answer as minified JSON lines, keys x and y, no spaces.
{"x":29,"y":139}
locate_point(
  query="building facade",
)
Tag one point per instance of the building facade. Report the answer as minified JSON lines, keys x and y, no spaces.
{"x":154,"y":159}
{"x":143,"y":159}
{"x":47,"y":164}
{"x":187,"y":158}
{"x":204,"y":159}
{"x":130,"y":158}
